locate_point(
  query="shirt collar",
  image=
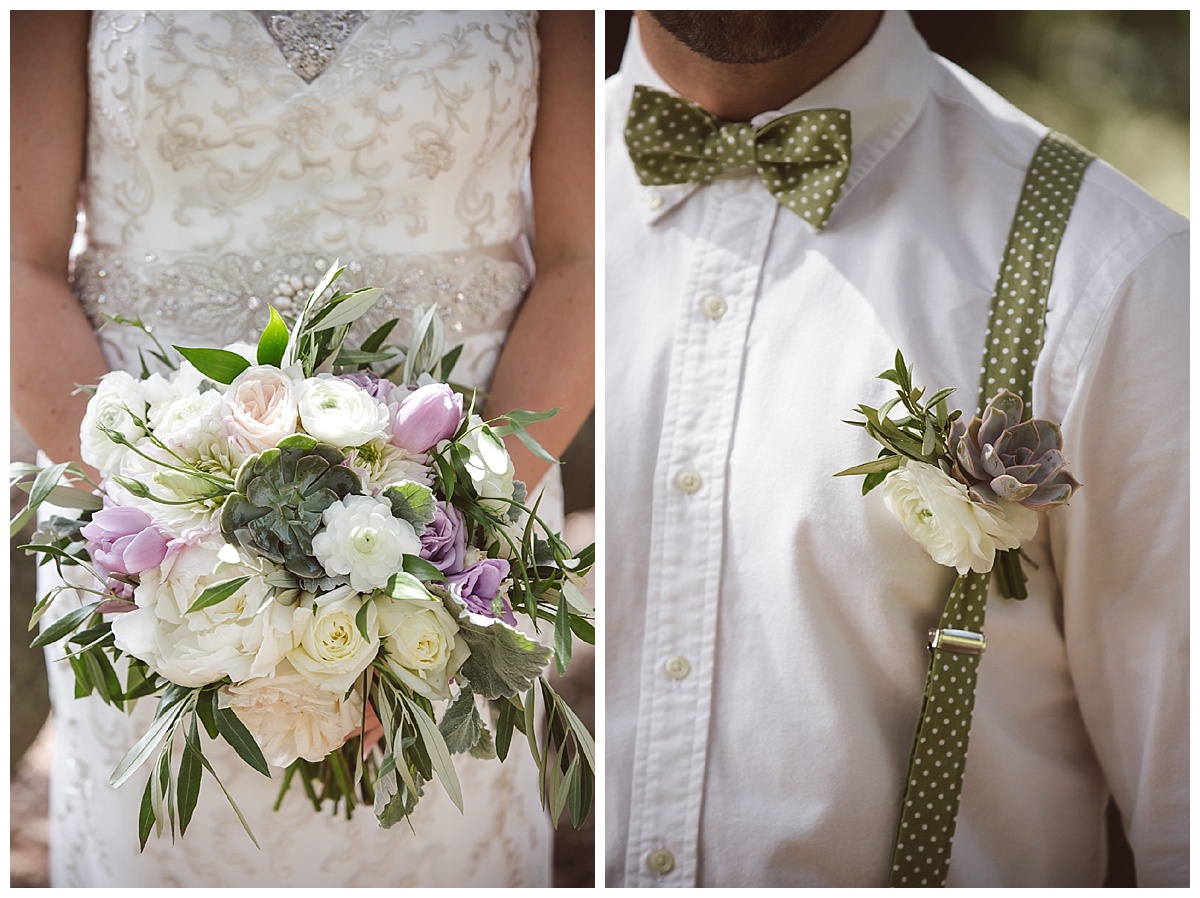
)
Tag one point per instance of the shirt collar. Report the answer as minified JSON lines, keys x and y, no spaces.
{"x":884,"y":86}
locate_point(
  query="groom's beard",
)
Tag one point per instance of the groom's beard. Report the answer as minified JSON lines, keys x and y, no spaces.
{"x":742,"y":38}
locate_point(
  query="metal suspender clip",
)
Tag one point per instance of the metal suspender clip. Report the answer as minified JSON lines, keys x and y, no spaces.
{"x":963,"y":642}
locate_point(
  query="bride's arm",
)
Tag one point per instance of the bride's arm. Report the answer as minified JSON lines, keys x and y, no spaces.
{"x":549,"y":359}
{"x":52,"y":344}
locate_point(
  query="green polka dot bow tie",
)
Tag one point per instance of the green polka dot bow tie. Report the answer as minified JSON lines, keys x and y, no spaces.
{"x":802,"y":158}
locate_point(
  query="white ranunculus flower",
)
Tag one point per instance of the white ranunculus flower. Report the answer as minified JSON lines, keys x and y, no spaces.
{"x":260,"y":407}
{"x":239,"y":638}
{"x":331,"y":651}
{"x":291,"y":718}
{"x":420,"y":642}
{"x":489,"y":466}
{"x":116,"y":392}
{"x":937,"y":512}
{"x":361,"y":539}
{"x":337,"y":411}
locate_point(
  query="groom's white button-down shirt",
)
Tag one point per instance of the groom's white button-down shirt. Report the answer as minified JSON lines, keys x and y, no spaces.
{"x":765,"y":624}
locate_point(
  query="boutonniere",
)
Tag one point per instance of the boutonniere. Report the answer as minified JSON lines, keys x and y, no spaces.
{"x":969,"y":493}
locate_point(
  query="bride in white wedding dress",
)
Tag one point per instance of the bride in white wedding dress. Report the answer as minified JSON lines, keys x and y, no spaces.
{"x":223,"y":160}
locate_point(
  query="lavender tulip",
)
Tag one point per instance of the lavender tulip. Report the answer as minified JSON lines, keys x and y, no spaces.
{"x":427,"y":416}
{"x":123,"y":540}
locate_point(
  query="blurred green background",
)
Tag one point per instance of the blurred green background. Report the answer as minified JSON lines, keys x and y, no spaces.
{"x":1117,"y":82}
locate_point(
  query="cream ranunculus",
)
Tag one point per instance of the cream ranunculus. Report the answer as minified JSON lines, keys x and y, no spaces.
{"x":339,"y":412}
{"x":244,"y":636}
{"x":291,"y":718}
{"x":331,"y":651}
{"x":937,"y":512}
{"x":420,"y":640}
{"x":117,"y":394}
{"x":362,"y":540}
{"x":260,"y":408}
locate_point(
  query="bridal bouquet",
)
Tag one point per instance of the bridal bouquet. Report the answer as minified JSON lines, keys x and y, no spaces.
{"x":967,"y":493}
{"x":319,"y":554}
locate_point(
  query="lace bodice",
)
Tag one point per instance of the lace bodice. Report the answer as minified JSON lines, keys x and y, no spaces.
{"x":204,"y":139}
{"x":231,"y":157}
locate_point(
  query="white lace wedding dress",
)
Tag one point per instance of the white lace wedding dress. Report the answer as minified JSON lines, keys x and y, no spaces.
{"x":231,"y":157}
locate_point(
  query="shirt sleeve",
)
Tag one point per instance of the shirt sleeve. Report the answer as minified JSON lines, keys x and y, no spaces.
{"x":1121,"y":552}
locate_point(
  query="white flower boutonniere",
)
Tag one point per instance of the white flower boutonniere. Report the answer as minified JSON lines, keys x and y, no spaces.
{"x":968,"y":493}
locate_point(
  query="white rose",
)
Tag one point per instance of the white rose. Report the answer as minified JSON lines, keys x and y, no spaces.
{"x":937,"y":512}
{"x":116,"y":392}
{"x":489,"y":466}
{"x":331,"y":651}
{"x":260,"y":408}
{"x":361,"y":539}
{"x":340,"y":412}
{"x":291,"y":718}
{"x":239,"y":638}
{"x":420,"y":642}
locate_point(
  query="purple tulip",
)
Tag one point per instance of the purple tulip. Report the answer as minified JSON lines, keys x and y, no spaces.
{"x":479,"y":585}
{"x":444,"y":542}
{"x":425,"y":417}
{"x":123,"y":540}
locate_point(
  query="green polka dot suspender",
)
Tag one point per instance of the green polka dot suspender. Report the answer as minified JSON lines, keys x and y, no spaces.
{"x":1015,"y":328}
{"x":802,"y":158}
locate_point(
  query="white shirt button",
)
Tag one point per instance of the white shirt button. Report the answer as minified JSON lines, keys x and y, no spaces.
{"x":661,"y":861}
{"x":688,"y":481}
{"x":652,"y":199}
{"x":714,"y":306}
{"x":677,"y":667}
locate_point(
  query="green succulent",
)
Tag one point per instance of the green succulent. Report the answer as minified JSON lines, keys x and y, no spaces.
{"x":279,"y":497}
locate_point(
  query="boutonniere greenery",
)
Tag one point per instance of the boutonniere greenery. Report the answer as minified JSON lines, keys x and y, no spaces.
{"x":968,"y":493}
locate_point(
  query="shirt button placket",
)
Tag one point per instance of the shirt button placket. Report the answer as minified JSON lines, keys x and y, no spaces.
{"x":661,"y":861}
{"x":714,"y":306}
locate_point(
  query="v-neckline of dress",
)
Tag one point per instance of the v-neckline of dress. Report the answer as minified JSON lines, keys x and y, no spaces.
{"x":310,"y":40}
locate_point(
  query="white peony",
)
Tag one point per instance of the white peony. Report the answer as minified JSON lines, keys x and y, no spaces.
{"x":191,"y":419}
{"x":241,"y":637}
{"x":161,"y":391}
{"x":291,"y":718}
{"x":337,"y":411}
{"x":420,"y":642}
{"x":489,"y":466}
{"x":362,"y":540}
{"x":380,"y":464}
{"x":260,"y":407}
{"x":331,"y":651}
{"x":937,"y":512}
{"x":117,"y":394}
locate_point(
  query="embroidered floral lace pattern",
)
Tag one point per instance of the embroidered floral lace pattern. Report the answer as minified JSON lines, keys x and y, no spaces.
{"x":197,"y":119}
{"x":222,"y":179}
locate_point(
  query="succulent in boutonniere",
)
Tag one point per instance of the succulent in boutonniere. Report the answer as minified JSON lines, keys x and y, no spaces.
{"x":967,"y":493}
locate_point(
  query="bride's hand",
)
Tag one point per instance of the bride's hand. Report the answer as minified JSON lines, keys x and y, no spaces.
{"x":53,"y":348}
{"x":549,"y":358}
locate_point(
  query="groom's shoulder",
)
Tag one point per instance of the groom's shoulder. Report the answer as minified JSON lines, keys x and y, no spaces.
{"x":1005,"y":136}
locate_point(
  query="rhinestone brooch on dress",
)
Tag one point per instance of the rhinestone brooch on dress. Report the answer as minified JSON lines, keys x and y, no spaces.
{"x":310,"y":39}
